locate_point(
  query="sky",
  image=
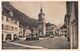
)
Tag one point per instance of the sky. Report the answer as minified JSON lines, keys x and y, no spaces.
{"x":54,"y":11}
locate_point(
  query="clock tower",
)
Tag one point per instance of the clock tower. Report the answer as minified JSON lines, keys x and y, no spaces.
{"x":41,"y":23}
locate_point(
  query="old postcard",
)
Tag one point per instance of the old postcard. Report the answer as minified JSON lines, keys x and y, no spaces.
{"x":39,"y":25}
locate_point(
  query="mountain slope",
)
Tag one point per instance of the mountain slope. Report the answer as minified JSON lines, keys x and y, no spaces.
{"x":23,"y":19}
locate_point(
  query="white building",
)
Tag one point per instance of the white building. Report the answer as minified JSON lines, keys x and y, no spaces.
{"x":10,"y":26}
{"x":21,"y":31}
{"x":50,"y":29}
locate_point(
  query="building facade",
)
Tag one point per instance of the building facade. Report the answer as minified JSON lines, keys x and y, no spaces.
{"x":21,"y":32}
{"x":10,"y":26}
{"x":72,"y":23}
{"x":50,"y":29}
{"x":63,"y":30}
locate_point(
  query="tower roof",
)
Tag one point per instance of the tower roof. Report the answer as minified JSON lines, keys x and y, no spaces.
{"x":41,"y":11}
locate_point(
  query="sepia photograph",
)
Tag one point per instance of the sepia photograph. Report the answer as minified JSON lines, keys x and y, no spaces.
{"x":39,"y":25}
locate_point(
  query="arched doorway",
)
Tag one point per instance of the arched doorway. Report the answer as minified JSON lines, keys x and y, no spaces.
{"x":8,"y":37}
{"x":15,"y":37}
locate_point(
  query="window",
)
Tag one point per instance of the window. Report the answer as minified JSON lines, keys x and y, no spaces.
{"x":15,"y":29}
{"x":13,"y":21}
{"x":7,"y":19}
{"x":12,"y":28}
{"x":19,"y":32}
{"x":7,"y":27}
{"x":2,"y":17}
{"x":2,"y":27}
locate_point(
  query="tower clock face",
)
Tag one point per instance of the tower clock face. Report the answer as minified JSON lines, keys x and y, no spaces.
{"x":42,"y":16}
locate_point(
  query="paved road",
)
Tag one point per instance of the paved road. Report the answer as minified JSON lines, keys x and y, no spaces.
{"x":11,"y":46}
{"x":49,"y":43}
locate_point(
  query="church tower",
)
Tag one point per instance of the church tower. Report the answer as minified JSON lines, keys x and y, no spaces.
{"x":41,"y":23}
